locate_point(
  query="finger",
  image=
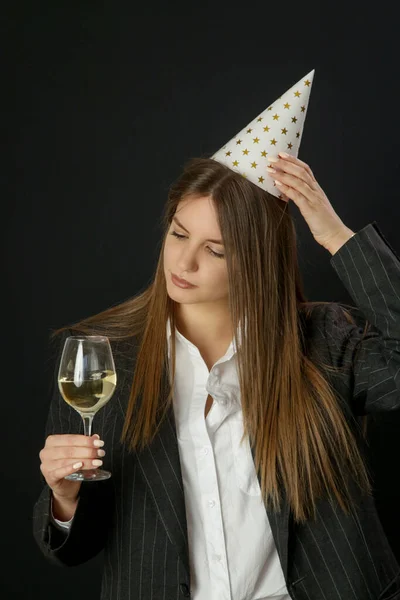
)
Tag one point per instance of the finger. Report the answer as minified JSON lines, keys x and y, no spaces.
{"x":283,"y":166}
{"x":296,"y":161}
{"x":281,"y":195}
{"x":59,"y":474}
{"x":54,"y":470}
{"x":71,"y":439}
{"x":56,"y":475}
{"x":298,"y":198}
{"x":70,"y":452}
{"x":294,"y":182}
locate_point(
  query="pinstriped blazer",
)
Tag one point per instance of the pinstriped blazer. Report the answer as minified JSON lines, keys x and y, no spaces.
{"x":138,"y":516}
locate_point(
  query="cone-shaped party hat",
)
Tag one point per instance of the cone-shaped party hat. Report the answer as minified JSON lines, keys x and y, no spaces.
{"x":278,"y":129}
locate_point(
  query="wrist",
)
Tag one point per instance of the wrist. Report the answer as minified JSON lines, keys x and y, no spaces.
{"x":63,"y":509}
{"x":336,"y":243}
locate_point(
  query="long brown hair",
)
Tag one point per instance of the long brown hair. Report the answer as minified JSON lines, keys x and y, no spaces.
{"x":299,"y":434}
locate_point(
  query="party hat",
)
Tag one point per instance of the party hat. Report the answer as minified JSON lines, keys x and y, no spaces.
{"x":278,"y":129}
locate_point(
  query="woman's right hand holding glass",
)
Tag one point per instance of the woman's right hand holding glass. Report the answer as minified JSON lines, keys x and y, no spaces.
{"x":64,"y":454}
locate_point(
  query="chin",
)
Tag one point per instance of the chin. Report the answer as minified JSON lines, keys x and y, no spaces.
{"x":173,"y":291}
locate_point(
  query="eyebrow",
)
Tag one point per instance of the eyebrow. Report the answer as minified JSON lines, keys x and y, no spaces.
{"x":184,"y":228}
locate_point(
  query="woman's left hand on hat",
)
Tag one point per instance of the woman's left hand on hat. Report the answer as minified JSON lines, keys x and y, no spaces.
{"x":297,"y":182}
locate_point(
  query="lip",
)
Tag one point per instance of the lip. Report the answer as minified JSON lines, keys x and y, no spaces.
{"x":182,"y":283}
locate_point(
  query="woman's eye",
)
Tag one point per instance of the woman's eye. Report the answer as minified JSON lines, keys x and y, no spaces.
{"x":177,"y":235}
{"x":181,"y":237}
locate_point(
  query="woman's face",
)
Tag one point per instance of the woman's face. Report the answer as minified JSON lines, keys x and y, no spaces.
{"x":191,"y":256}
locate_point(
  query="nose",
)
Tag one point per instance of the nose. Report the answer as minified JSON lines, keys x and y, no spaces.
{"x":186,"y":262}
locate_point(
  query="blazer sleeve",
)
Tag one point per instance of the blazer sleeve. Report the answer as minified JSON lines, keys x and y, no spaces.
{"x":370,"y":270}
{"x":87,"y":534}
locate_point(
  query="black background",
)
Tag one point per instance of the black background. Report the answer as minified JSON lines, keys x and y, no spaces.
{"x":103,"y":106}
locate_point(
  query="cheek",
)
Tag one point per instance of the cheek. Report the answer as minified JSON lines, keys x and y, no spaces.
{"x":218,"y":278}
{"x":167,"y":256}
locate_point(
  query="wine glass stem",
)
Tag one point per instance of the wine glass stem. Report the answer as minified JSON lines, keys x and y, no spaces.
{"x":87,"y":424}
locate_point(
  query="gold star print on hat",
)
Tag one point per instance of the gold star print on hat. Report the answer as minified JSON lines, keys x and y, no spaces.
{"x":278,"y":129}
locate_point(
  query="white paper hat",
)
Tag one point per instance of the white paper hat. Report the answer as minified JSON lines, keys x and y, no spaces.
{"x":278,"y":129}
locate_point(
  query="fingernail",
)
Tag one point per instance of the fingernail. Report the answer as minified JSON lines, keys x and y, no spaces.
{"x":97,"y":463}
{"x":77,"y":465}
{"x":283,"y":154}
{"x":97,"y":435}
{"x":273,"y":159}
{"x":101,"y":453}
{"x":271,"y":170}
{"x":98,"y":443}
{"x":278,"y":182}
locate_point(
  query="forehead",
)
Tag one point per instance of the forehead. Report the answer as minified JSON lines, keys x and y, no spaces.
{"x":197,"y":207}
{"x":198,"y":216}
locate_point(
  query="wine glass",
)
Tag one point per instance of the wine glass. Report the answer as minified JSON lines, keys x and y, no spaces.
{"x":87,"y":380}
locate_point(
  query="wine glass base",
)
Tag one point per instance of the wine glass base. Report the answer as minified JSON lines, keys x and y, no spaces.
{"x":89,"y":475}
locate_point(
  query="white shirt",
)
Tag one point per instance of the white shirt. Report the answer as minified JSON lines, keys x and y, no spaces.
{"x":232,"y":553}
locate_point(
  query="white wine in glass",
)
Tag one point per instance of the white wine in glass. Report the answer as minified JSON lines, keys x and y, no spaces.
{"x":87,"y":380}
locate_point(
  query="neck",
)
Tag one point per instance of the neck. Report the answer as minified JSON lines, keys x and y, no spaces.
{"x":204,"y":325}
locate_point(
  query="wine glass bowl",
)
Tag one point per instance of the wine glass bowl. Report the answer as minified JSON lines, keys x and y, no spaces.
{"x":87,"y":380}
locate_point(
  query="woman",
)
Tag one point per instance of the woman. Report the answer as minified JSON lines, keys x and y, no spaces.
{"x":189,"y":509}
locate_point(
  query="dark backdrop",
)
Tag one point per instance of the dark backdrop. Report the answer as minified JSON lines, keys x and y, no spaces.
{"x":103,"y":108}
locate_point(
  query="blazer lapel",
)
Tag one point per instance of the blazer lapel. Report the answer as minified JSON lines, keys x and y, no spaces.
{"x":160,"y":466}
{"x":279,"y":523}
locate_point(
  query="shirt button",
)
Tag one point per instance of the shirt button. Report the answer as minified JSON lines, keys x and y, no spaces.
{"x":205,"y":450}
{"x":211,"y":503}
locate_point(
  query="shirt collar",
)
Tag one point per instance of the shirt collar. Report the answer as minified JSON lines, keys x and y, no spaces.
{"x":225,"y":393}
